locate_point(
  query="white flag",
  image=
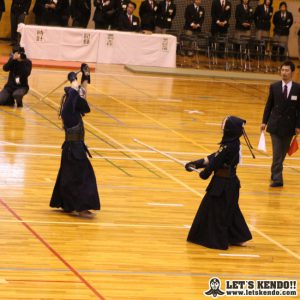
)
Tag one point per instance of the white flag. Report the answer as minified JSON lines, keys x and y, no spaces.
{"x":262,"y":142}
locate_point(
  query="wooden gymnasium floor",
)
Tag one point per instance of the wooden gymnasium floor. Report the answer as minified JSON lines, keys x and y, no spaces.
{"x":136,"y":246}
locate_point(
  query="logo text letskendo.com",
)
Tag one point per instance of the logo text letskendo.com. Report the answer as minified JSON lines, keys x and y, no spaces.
{"x":251,"y":288}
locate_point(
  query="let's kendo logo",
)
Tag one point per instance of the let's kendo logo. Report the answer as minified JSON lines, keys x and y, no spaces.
{"x":254,"y":288}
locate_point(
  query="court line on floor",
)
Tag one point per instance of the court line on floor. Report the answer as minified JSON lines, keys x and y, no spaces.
{"x":165,"y":204}
{"x":131,"y":159}
{"x":5,"y":143}
{"x":239,"y":255}
{"x":107,"y":114}
{"x":164,"y":77}
{"x":110,"y":225}
{"x":51,"y":249}
{"x":174,"y":178}
{"x":110,"y":139}
{"x":159,"y":273}
{"x":275,"y":242}
{"x":87,"y":130}
{"x":150,"y":118}
{"x":46,"y":281}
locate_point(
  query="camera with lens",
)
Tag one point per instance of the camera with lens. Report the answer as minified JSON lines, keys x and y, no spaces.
{"x":21,"y":51}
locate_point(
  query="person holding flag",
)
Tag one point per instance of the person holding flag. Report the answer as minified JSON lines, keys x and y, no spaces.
{"x":282,"y":118}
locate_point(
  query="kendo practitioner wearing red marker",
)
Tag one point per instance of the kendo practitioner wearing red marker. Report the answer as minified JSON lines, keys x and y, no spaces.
{"x":76,"y":187}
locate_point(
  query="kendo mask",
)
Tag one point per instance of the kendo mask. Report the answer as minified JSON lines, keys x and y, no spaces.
{"x":233,"y":129}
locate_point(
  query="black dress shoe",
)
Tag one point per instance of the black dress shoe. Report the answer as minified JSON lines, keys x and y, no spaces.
{"x":276,"y":184}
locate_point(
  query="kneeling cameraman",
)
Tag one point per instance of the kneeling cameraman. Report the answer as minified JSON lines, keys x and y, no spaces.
{"x":19,"y":68}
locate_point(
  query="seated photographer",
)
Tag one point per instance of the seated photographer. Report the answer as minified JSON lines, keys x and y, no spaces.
{"x":19,"y":68}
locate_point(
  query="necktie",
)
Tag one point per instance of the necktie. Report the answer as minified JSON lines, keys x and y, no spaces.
{"x":223,"y":4}
{"x":285,"y":92}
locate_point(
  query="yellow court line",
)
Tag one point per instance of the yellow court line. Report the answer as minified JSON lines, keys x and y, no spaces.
{"x":150,"y":118}
{"x":190,"y":188}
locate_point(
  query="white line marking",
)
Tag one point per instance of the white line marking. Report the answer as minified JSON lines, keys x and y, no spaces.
{"x":129,"y":150}
{"x":2,"y":280}
{"x":239,"y":255}
{"x":139,"y":75}
{"x":275,"y":242}
{"x":163,"y":204}
{"x":169,"y":100}
{"x":214,"y":124}
{"x":133,"y":158}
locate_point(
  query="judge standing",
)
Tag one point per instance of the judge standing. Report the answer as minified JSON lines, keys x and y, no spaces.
{"x":166,"y":13}
{"x":282,"y":118}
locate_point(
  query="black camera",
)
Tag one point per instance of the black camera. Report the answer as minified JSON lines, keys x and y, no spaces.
{"x":21,"y":51}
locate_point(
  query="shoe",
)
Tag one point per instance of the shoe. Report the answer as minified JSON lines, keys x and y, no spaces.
{"x":276,"y":184}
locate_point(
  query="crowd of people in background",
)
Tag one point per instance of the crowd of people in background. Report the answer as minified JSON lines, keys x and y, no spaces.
{"x":154,"y":16}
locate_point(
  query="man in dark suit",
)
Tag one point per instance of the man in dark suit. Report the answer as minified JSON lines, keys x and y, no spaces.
{"x":2,"y":8}
{"x":299,"y":45}
{"x":104,"y":14}
{"x":283,"y":21}
{"x":48,"y":12}
{"x":194,"y":17}
{"x":262,"y":18}
{"x":64,"y":13}
{"x":244,"y":17}
{"x":127,"y":21}
{"x":220,"y":13}
{"x":19,"y":9}
{"x":282,"y":118}
{"x":166,"y":12}
{"x":148,"y":11}
{"x":80,"y":13}
{"x":120,"y":7}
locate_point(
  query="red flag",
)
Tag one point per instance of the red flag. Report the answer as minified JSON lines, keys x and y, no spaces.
{"x":293,"y":147}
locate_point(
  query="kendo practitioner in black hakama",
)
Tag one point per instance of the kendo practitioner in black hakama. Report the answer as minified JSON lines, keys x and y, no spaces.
{"x":219,"y":221}
{"x":75,"y":188}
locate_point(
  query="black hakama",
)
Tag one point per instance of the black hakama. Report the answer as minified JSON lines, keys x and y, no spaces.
{"x":219,"y":221}
{"x":76,"y":187}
